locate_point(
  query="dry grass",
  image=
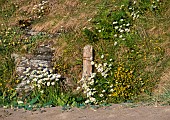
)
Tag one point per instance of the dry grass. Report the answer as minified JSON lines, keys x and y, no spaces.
{"x":71,"y":17}
{"x":70,"y":14}
{"x":162,"y":30}
{"x":164,"y":82}
{"x":157,"y":27}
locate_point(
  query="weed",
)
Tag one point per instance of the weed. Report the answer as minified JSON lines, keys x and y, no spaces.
{"x":128,"y":77}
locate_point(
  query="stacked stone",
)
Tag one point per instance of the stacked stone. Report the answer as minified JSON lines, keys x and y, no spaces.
{"x":41,"y":59}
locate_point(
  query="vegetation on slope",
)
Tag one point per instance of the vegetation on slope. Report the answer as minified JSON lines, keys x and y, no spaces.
{"x":130,"y":39}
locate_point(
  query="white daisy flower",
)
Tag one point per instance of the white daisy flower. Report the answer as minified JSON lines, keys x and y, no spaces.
{"x":92,"y":99}
{"x":58,"y":76}
{"x":115,"y":35}
{"x":116,"y":27}
{"x":35,"y":79}
{"x":115,"y":22}
{"x":101,"y":95}
{"x":120,"y":36}
{"x":103,"y":91}
{"x":121,"y":20}
{"x":87,"y":101}
{"x":111,"y":90}
{"x":102,"y":56}
{"x":128,"y":24}
{"x":53,"y":83}
{"x":92,"y":62}
{"x":28,"y":81}
{"x":42,"y":91}
{"x":115,"y":43}
{"x":20,"y":102}
{"x":48,"y":83}
{"x":78,"y":88}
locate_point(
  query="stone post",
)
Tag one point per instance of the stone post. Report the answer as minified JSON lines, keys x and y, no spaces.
{"x":87,"y":58}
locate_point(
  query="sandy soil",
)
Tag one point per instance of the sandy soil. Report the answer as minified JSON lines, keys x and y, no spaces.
{"x":114,"y":112}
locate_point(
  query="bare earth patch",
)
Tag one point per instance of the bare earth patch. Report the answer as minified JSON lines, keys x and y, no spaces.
{"x":114,"y":112}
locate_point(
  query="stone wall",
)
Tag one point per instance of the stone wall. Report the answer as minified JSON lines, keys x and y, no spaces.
{"x":39,"y":61}
{"x":39,"y":66}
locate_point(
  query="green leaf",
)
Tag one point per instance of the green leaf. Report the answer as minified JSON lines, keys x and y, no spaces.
{"x":13,"y":95}
{"x":34,"y":100}
{"x":47,"y":104}
{"x":91,"y":36}
{"x":60,"y":101}
{"x":28,"y":107}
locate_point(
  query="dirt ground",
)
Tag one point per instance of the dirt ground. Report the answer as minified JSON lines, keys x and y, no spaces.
{"x":114,"y":112}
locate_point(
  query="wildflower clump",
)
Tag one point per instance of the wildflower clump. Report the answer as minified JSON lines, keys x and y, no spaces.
{"x":42,"y":76}
{"x":9,"y":38}
{"x":41,"y":81}
{"x":95,"y":86}
{"x":41,"y":9}
{"x":113,"y":25}
{"x":111,"y":82}
{"x":86,"y":82}
{"x":118,"y":23}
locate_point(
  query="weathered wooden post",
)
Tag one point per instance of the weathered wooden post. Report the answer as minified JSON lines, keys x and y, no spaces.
{"x":87,"y":59}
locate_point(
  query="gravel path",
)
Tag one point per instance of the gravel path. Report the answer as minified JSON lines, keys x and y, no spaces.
{"x":114,"y":112}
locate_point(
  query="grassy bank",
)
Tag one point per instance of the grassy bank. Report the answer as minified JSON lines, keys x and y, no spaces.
{"x":130,"y":41}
